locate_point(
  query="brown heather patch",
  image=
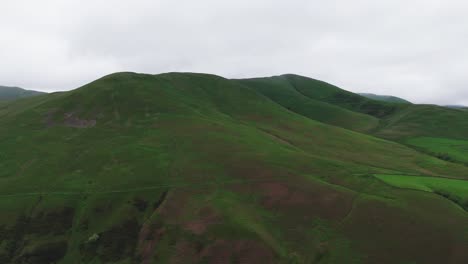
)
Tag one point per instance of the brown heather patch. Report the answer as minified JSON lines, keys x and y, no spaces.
{"x":239,"y":251}
{"x":458,"y":253}
{"x":273,"y":192}
{"x":150,"y":233}
{"x":253,"y":171}
{"x":174,"y":208}
{"x":147,"y":241}
{"x":275,"y":189}
{"x":307,"y":201}
{"x":185,"y":252}
{"x":71,"y":120}
{"x":391,"y":235}
{"x":205,"y":217}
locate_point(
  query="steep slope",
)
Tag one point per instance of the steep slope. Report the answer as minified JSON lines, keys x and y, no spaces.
{"x":195,"y":168}
{"x":280,"y":90}
{"x":425,"y":120}
{"x":397,"y":121}
{"x":329,"y":104}
{"x":385,"y":98}
{"x":12,"y":93}
{"x":329,"y":93}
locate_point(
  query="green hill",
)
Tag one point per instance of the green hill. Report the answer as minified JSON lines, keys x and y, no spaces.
{"x":385,"y":98}
{"x":196,"y":168}
{"x":332,"y":105}
{"x":12,"y":93}
{"x":425,"y":120}
{"x":283,"y":92}
{"x":331,"y":94}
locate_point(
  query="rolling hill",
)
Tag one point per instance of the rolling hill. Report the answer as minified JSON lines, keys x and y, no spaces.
{"x":196,"y":168}
{"x":385,"y":98}
{"x":388,"y":120}
{"x":12,"y":93}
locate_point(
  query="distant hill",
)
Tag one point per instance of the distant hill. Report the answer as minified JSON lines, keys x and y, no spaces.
{"x":12,"y":93}
{"x":456,"y":106}
{"x":385,"y":98}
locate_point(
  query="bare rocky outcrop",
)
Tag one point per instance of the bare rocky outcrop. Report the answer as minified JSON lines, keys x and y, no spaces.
{"x":71,"y":120}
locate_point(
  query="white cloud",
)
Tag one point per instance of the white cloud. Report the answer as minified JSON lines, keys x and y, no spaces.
{"x":414,"y":49}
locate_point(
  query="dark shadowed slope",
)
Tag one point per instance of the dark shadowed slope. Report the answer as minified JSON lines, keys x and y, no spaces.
{"x":385,"y":98}
{"x":195,"y":168}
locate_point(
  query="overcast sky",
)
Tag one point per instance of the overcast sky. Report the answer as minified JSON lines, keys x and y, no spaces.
{"x":416,"y":49}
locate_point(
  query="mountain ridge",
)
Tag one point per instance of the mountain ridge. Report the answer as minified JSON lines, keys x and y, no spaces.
{"x":13,"y":93}
{"x":385,"y":98}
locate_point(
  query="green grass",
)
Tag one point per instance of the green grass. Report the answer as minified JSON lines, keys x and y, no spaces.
{"x":334,"y":95}
{"x":280,"y":90}
{"x":278,"y":166}
{"x":451,"y":149}
{"x":454,"y":189}
{"x":425,"y":121}
{"x":332,"y":105}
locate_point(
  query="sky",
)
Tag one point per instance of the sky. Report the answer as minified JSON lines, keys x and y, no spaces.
{"x":415,"y":49}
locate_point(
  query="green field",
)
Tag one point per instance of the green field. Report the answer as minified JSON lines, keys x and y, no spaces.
{"x":456,"y":150}
{"x":455,"y":190}
{"x":196,"y":168}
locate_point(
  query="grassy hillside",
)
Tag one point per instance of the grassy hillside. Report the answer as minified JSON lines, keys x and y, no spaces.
{"x":13,"y":93}
{"x":195,"y":168}
{"x":385,"y":98}
{"x":280,"y":90}
{"x":329,"y":93}
{"x":425,"y":121}
{"x":329,"y":104}
{"x":397,"y":121}
{"x":448,"y":149}
{"x":455,"y":190}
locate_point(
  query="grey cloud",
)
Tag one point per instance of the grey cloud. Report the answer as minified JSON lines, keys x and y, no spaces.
{"x":414,"y":49}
